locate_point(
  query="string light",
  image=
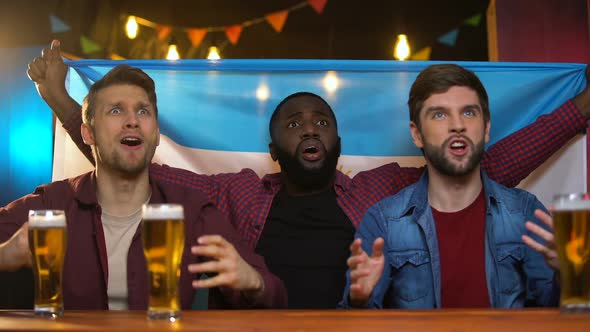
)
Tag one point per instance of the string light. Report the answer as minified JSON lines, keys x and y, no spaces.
{"x":172,"y":52}
{"x":331,"y":81}
{"x":402,"y":48}
{"x":263,"y":92}
{"x":213,"y":53}
{"x":131,"y":27}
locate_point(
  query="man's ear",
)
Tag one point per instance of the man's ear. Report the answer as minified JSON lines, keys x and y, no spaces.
{"x":487,"y":131}
{"x":158,"y":133}
{"x":416,"y":135}
{"x":273,"y":152}
{"x":87,"y":134}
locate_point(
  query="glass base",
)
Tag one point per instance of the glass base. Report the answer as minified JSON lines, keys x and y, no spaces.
{"x":49,"y":312}
{"x":170,"y":315}
{"x":575,"y":308}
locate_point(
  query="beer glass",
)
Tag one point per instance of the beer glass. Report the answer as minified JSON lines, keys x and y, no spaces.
{"x":571,"y":222}
{"x":163,"y":244}
{"x":47,"y":243}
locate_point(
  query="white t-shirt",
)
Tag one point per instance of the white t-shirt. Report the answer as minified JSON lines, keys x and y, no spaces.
{"x":118,"y":233}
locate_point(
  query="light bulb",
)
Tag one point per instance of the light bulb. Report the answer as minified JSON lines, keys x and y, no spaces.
{"x":172,"y":53}
{"x":331,"y":81}
{"x":263,"y":92}
{"x":213,"y":53}
{"x":402,"y":48}
{"x":131,"y":27}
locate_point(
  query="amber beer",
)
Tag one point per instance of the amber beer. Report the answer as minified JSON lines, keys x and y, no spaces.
{"x":47,"y":243}
{"x":163,"y":244}
{"x":571,"y":213}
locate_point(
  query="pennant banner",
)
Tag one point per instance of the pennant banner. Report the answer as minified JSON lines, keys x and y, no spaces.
{"x":233,"y":33}
{"x":317,"y":5}
{"x":196,"y":36}
{"x":277,"y":20}
{"x":423,"y":54}
{"x":58,"y":25}
{"x":89,"y":46}
{"x":163,"y":32}
{"x":473,"y":20}
{"x":212,"y":121}
{"x":450,"y":38}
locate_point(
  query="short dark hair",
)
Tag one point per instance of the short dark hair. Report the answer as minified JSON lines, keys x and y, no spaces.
{"x":120,"y":75}
{"x":439,"y":79}
{"x":275,"y":113}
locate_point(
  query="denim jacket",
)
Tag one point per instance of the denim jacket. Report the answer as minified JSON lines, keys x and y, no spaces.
{"x":516,"y":275}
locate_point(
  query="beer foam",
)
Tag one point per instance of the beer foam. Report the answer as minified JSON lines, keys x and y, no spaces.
{"x":52,"y":218}
{"x":162,"y":211}
{"x":571,"y":205}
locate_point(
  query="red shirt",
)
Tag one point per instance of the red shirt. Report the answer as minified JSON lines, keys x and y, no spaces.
{"x":461,"y":246}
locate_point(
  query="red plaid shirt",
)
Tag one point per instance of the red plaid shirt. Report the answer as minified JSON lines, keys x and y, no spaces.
{"x":245,"y":199}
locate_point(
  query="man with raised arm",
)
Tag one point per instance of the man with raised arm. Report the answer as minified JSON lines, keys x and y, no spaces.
{"x":283,"y":211}
{"x":105,"y":266}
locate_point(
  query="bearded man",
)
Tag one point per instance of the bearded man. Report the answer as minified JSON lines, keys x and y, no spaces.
{"x":455,"y":238}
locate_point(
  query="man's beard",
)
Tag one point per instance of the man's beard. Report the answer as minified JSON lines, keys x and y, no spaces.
{"x":115,"y":161}
{"x":308,"y":178}
{"x":436,"y":156}
{"x":130,"y":169}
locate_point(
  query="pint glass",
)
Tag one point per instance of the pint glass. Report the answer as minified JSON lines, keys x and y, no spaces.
{"x":163,"y":243}
{"x":47,"y":243}
{"x":571,"y":213}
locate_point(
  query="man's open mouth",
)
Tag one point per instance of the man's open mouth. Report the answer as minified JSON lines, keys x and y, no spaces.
{"x":312,"y":150}
{"x":131,"y":141}
{"x":458,"y":146}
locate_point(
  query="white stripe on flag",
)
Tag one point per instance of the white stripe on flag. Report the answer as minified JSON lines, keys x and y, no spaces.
{"x":564,"y":172}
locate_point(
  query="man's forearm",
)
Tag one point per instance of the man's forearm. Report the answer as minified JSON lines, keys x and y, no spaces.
{"x":582,"y":102}
{"x":63,"y":106}
{"x":8,"y":261}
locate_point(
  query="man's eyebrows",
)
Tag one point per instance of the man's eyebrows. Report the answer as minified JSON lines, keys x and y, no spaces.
{"x":119,"y":104}
{"x":144,"y":104}
{"x":316,"y":112}
{"x":294,"y":114}
{"x":472,"y":106}
{"x":443,"y":108}
{"x":435,"y":108}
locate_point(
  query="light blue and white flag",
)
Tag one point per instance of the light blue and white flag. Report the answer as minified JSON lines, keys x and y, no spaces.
{"x":214,"y":115}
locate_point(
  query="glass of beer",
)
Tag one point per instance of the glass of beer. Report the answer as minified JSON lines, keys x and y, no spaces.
{"x":571,"y":223}
{"x":47,"y":243}
{"x":163,"y":244}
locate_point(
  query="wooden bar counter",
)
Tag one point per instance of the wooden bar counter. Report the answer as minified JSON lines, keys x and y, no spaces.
{"x":533,"y":320}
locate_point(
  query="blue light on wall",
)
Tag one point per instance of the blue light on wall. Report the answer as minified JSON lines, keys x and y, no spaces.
{"x":26,"y":128}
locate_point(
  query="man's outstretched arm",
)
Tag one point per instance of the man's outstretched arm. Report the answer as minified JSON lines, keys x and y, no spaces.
{"x":514,"y":157}
{"x":48,"y":71}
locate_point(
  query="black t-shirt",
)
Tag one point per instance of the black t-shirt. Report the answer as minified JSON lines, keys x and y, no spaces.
{"x":305,"y":242}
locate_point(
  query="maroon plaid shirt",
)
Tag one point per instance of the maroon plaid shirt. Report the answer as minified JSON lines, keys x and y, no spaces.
{"x":245,"y":199}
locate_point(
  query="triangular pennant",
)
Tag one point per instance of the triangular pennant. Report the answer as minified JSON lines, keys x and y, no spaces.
{"x":423,"y":54}
{"x":317,"y":5}
{"x":115,"y":56}
{"x":277,"y":19}
{"x":196,"y":36}
{"x":449,"y":38}
{"x":473,"y":20}
{"x":58,"y":25}
{"x":88,"y":45}
{"x":233,"y":33}
{"x":163,"y":31}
